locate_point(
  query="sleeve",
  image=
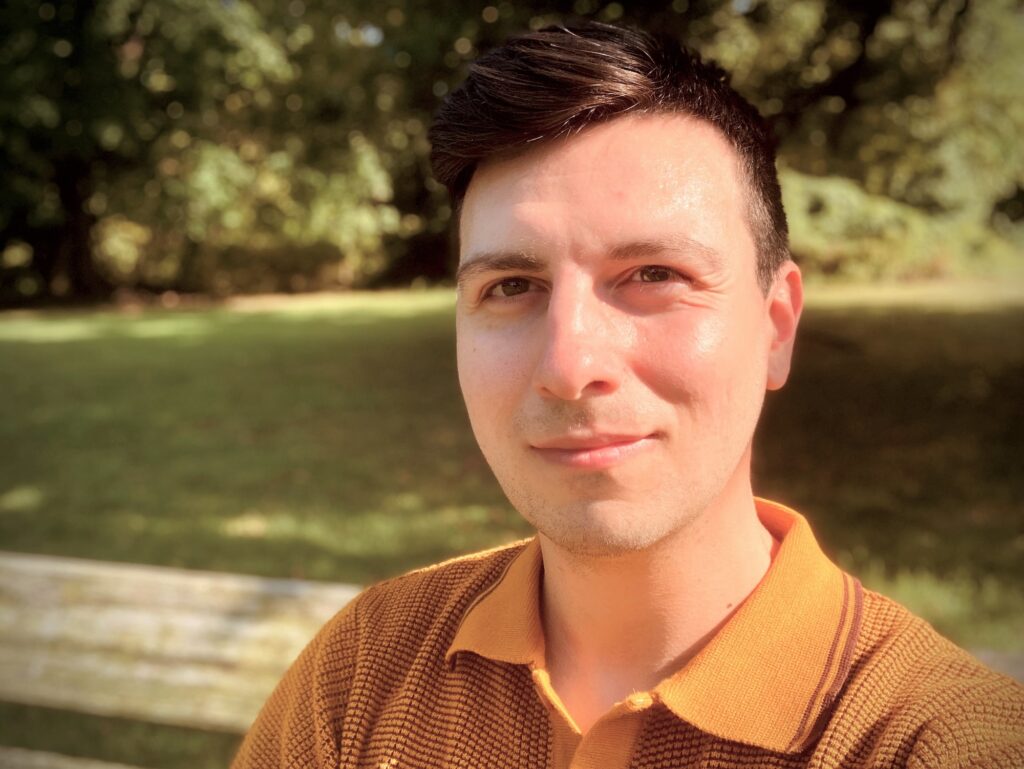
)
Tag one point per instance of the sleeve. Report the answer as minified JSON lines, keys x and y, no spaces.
{"x":299,"y":725}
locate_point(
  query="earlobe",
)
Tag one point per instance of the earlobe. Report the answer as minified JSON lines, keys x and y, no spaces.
{"x":786,"y":302}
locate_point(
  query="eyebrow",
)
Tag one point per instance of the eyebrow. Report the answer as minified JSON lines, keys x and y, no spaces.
{"x":522,"y":261}
{"x":679,"y":245}
{"x":498,"y":261}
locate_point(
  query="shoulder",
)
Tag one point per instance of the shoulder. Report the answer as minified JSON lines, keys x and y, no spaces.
{"x":934,"y":704}
{"x":437,"y":589}
{"x":419,"y":610}
{"x":390,"y":639}
{"x":901,"y":649}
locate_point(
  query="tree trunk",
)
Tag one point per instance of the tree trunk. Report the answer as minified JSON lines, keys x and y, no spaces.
{"x":75,"y":267}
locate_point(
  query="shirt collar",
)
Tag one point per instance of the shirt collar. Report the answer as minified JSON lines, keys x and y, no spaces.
{"x":766,"y":678}
{"x":504,"y":622}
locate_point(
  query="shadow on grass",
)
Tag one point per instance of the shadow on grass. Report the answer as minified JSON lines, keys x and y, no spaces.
{"x":113,"y":739}
{"x":331,"y":442}
{"x":902,"y":441}
{"x":331,"y":445}
{"x":899,"y":437}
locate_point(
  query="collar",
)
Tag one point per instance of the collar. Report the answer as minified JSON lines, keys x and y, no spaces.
{"x":768,"y":676}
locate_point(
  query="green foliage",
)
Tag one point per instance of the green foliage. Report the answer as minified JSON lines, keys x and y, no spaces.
{"x":838,"y":229}
{"x":144,"y":142}
{"x":952,"y":146}
{"x":178,"y":127}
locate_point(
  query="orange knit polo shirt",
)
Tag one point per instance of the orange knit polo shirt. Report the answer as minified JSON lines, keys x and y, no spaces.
{"x":444,"y":667}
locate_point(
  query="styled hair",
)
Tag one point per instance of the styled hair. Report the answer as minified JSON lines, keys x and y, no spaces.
{"x":557,"y":81}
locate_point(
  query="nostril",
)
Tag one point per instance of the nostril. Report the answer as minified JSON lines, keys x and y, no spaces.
{"x":570,"y":373}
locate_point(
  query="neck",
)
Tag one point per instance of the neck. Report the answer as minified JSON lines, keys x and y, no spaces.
{"x":619,"y":624}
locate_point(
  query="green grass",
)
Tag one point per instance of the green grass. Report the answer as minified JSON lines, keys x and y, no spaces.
{"x":327,"y":444}
{"x":899,"y":436}
{"x":325,"y":439}
{"x":116,"y":740}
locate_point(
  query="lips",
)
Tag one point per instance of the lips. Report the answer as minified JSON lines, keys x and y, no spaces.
{"x":586,"y":441}
{"x":592,"y":451}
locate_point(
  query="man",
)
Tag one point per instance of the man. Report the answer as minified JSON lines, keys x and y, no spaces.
{"x":625,"y":298}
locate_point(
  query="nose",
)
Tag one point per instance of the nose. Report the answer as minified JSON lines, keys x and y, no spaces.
{"x":580,"y":357}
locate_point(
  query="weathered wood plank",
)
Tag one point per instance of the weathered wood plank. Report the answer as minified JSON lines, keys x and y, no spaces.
{"x":151,"y":643}
{"x":81,"y":581}
{"x":18,"y":758}
{"x":251,"y":638}
{"x":160,"y":691}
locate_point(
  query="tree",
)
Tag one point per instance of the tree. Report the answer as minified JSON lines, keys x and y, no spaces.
{"x":159,"y":117}
{"x":266,"y":145}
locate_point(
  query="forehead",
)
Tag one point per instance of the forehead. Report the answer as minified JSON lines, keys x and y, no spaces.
{"x":633,"y":178}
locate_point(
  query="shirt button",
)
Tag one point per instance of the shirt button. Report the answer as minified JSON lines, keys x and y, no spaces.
{"x":640,"y":701}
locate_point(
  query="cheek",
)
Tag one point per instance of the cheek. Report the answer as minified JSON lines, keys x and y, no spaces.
{"x":681,"y":360}
{"x":489,"y":367}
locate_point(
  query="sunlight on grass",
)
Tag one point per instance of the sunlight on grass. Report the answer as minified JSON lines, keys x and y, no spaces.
{"x":955,"y":296}
{"x":383,"y":304}
{"x":183,"y":325}
{"x":248,"y":525}
{"x":38,"y":328}
{"x":402,"y":527}
{"x":324,"y":437}
{"x":85,"y":325}
{"x":21,"y":499}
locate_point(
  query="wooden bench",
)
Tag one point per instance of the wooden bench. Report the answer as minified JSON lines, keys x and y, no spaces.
{"x":154,"y":644}
{"x":169,"y":646}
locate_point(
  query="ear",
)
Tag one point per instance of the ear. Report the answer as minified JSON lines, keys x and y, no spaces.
{"x":785,"y":303}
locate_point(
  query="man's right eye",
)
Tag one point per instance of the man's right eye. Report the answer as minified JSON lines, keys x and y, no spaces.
{"x":509,"y":287}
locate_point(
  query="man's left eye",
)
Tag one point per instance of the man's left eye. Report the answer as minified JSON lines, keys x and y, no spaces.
{"x":653,"y":274}
{"x":509,"y":287}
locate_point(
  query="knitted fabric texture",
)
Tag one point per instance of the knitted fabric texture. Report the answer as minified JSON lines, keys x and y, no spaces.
{"x":443,"y":667}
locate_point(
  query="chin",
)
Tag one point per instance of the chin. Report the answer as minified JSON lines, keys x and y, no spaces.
{"x":602,"y":529}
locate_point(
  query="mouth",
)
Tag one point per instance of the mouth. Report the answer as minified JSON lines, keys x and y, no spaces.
{"x":592,"y":452}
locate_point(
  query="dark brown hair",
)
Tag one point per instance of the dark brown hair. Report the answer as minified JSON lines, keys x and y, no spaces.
{"x":557,"y":81}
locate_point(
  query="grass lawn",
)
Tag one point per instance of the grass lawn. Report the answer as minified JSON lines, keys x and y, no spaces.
{"x":324,"y":438}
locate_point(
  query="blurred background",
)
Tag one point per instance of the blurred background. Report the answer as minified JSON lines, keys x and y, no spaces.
{"x":228,"y":342}
{"x":238,"y":146}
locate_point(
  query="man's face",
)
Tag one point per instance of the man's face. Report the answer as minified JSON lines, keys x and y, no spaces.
{"x":614,"y":346}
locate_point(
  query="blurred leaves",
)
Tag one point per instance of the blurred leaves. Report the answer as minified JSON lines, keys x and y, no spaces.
{"x":839,"y":229}
{"x":153,"y":144}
